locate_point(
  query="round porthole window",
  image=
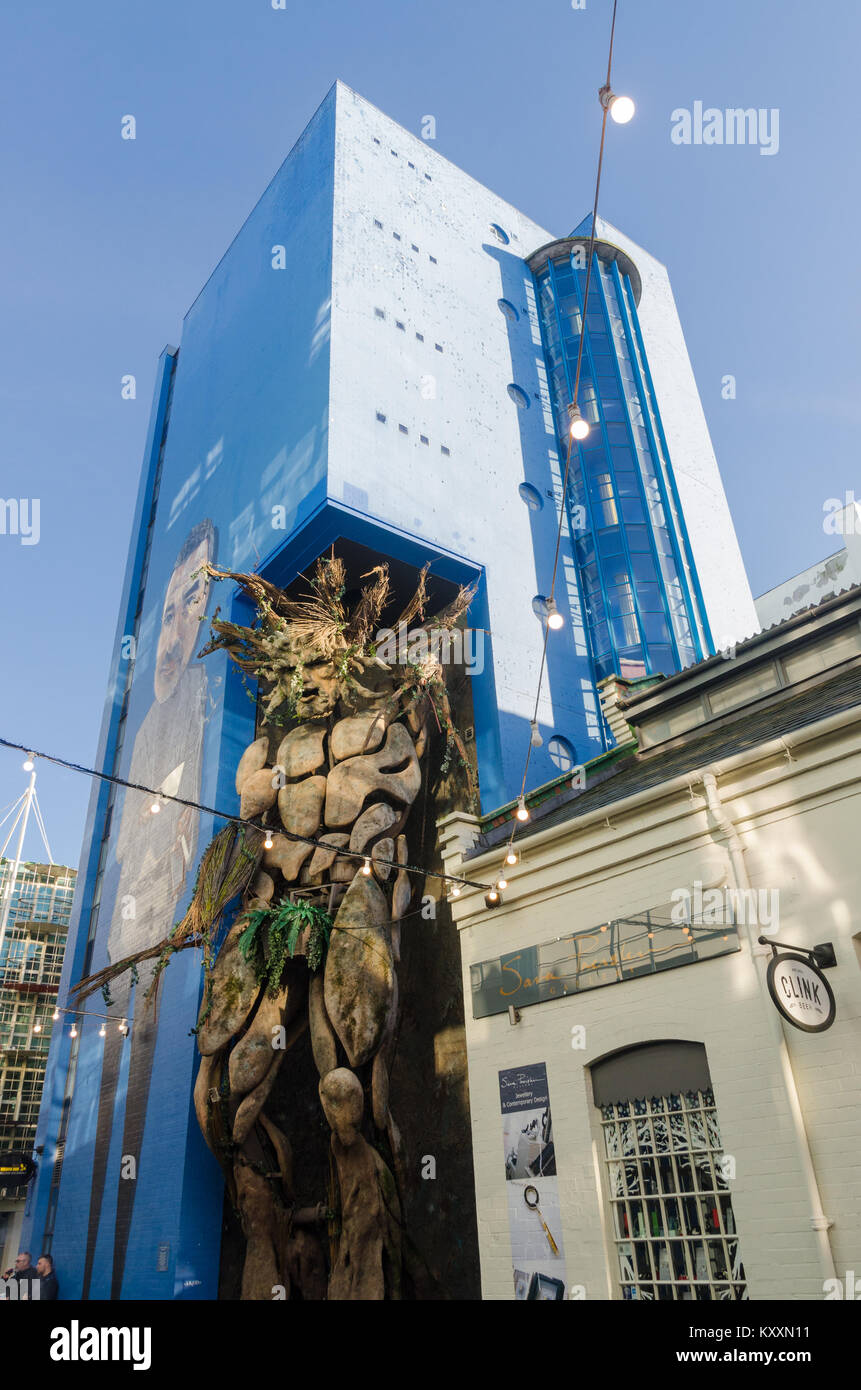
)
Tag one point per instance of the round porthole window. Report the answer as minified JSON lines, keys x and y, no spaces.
{"x":531,"y":496}
{"x":500,"y":235}
{"x":508,"y":309}
{"x":561,"y":753}
{"x":519,"y":397}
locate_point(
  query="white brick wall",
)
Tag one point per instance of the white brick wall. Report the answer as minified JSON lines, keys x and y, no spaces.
{"x":799,"y":825}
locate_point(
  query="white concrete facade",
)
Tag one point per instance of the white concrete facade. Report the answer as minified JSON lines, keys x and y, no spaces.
{"x":415,"y":253}
{"x":788,"y":1102}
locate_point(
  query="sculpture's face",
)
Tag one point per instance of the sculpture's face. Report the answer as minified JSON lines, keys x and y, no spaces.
{"x":184,"y":605}
{"x":327,"y":688}
{"x":319,"y":690}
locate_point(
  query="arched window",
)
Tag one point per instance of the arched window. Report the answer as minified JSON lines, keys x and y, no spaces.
{"x":667,"y":1175}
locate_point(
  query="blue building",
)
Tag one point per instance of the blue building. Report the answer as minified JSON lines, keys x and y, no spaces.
{"x":382,"y":359}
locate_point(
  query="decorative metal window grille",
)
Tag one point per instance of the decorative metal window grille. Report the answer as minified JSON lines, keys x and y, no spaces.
{"x":672,"y":1217}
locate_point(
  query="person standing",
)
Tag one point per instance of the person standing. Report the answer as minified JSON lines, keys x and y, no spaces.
{"x":25,"y":1276}
{"x":49,"y":1285}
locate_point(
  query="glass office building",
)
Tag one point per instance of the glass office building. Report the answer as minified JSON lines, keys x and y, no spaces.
{"x":639,"y":586}
{"x":31,"y":959}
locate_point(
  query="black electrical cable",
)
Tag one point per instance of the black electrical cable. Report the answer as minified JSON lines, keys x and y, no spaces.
{"x":237,"y":820}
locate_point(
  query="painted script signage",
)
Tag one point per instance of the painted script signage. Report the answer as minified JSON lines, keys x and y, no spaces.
{"x":642,"y":944}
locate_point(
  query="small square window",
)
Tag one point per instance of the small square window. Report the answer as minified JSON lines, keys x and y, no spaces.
{"x":445,"y":450}
{"x":401,"y":326}
{"x":381,"y":417}
{"x":438,"y":347}
{"x":428,"y":177}
{"x":396,"y":235}
{"x":410,"y":163}
{"x":379,"y":313}
{"x":424,"y":439}
{"x":376,"y":141}
{"x":413,"y":246}
{"x":403,"y":429}
{"x":421,"y":337}
{"x":432,"y":260}
{"x":395,"y":153}
{"x":377,"y":223}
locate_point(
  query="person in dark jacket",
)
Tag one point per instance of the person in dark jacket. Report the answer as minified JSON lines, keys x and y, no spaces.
{"x":49,"y":1286}
{"x":24,"y":1274}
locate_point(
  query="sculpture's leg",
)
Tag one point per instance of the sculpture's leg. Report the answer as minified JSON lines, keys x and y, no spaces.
{"x":261,"y":1271}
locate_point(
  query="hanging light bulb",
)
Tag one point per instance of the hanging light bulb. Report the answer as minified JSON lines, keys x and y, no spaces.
{"x":620,"y":108}
{"x":103,"y":1031}
{"x":366,"y":867}
{"x":455,"y":892}
{"x":536,"y":740}
{"x":154,"y":809}
{"x":37,"y":1027}
{"x":522,"y":812}
{"x":267,"y":843}
{"x":55,"y":1015}
{"x":123,"y":1028}
{"x":511,"y":857}
{"x":555,"y":619}
{"x":502,"y":884}
{"x":492,"y":899}
{"x":28,"y":763}
{"x":73,"y":1032}
{"x":578,"y":426}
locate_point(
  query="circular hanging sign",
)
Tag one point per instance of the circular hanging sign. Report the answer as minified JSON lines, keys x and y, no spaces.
{"x":801,"y":993}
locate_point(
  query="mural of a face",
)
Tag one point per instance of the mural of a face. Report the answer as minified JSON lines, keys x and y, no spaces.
{"x":184,"y":605}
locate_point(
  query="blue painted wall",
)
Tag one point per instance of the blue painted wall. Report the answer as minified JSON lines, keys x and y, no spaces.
{"x":247,"y":430}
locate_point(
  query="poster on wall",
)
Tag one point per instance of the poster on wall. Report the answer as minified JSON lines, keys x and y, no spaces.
{"x":531,"y":1183}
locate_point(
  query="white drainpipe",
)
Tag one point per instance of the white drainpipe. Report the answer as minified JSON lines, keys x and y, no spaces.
{"x":818,"y":1220}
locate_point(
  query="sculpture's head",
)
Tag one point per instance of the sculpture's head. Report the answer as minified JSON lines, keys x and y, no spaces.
{"x":320,"y":683}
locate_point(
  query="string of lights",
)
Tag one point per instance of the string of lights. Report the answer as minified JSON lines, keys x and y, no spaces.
{"x":160,"y":798}
{"x":621,"y":109}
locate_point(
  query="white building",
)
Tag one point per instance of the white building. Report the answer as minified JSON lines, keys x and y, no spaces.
{"x":840,"y":570}
{"x":682,"y":1138}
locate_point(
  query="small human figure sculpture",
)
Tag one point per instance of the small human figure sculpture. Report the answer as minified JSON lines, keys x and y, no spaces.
{"x":368,"y":1261}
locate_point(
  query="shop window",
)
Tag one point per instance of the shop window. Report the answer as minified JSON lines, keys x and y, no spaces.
{"x":667,"y":1177}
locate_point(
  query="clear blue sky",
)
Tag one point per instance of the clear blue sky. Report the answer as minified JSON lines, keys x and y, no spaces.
{"x":104,"y":243}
